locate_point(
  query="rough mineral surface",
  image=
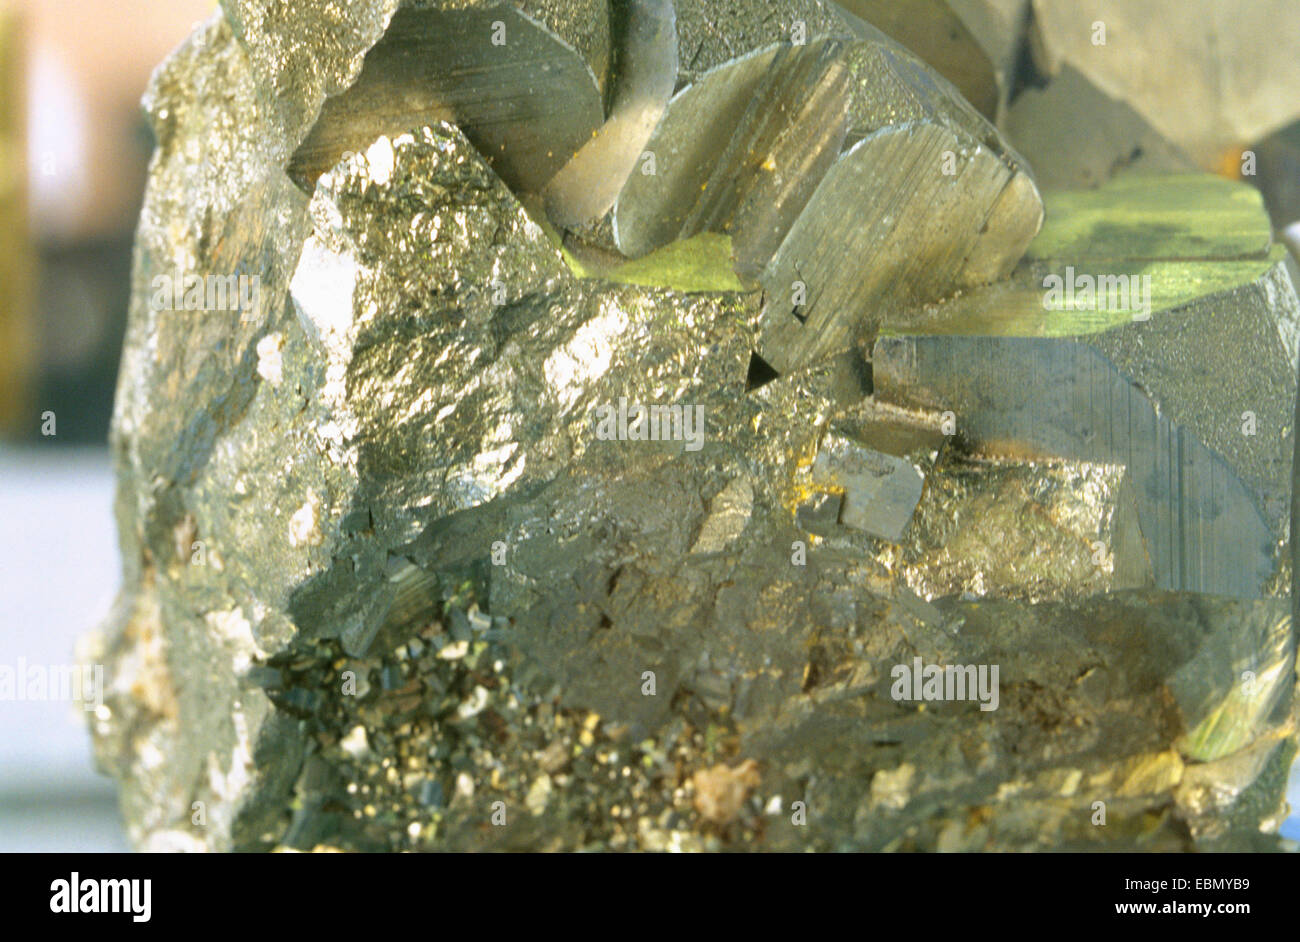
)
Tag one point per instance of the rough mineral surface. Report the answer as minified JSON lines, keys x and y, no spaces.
{"x":456,"y":537}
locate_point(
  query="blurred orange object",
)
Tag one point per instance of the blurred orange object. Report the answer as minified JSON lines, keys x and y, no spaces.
{"x":17,"y":345}
{"x":88,"y":63}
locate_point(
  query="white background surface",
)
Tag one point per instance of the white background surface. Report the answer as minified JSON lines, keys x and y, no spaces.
{"x":59,"y":570}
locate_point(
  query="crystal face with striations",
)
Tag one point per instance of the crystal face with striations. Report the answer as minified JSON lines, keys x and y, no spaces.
{"x":641,"y":402}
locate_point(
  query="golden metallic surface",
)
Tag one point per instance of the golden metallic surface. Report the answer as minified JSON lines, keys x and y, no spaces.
{"x":1033,"y":531}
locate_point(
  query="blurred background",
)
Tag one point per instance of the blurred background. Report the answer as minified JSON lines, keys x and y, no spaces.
{"x":74,"y":151}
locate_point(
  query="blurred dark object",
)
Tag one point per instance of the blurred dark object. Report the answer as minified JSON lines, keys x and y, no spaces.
{"x":1208,"y":75}
{"x":1278,"y":174}
{"x":84,"y":291}
{"x":1043,"y":123}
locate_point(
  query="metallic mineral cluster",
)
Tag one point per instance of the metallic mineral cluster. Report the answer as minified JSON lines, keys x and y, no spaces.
{"x":687,"y":425}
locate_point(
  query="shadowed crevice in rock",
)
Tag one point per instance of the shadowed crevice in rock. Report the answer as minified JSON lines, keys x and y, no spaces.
{"x":760,"y":373}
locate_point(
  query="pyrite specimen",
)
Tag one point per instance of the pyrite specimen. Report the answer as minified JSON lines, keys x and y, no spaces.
{"x":466,"y":537}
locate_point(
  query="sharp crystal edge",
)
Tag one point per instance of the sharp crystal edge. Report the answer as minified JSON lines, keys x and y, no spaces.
{"x":525,"y":84}
{"x":1153,"y":380}
{"x":975,"y":44}
{"x":819,"y":155}
{"x":936,"y":32}
{"x":711,"y":34}
{"x":877,"y":467}
{"x":587,"y":186}
{"x":441,"y":517}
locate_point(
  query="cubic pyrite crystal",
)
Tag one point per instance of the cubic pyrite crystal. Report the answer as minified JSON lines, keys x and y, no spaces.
{"x":663,"y":426}
{"x":1146,"y":378}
